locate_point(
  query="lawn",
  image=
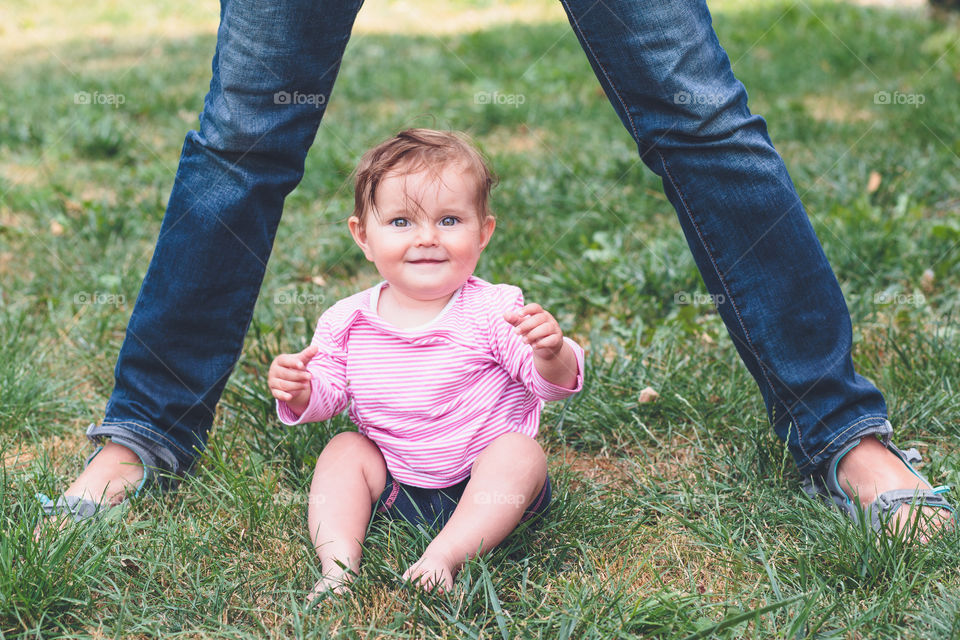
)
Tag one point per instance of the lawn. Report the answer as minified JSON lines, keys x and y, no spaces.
{"x":677,"y":518}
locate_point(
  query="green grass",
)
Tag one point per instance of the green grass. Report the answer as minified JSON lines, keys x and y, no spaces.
{"x":681,"y":518}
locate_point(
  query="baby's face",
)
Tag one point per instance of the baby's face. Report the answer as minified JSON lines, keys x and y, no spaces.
{"x":426,"y":234}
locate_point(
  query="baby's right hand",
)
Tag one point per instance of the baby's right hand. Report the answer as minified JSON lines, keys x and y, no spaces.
{"x":289,"y":379}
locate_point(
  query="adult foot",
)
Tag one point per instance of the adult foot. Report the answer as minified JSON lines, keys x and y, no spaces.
{"x":434,"y":570}
{"x":113,"y":473}
{"x":870,"y":469}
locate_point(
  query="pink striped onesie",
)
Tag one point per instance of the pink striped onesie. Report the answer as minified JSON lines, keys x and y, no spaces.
{"x":430,"y":397}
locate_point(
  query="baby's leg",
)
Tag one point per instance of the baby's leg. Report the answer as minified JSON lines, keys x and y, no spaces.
{"x":349,"y":477}
{"x":504,"y":480}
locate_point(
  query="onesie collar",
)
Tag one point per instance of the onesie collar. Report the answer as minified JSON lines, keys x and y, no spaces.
{"x":375,"y":298}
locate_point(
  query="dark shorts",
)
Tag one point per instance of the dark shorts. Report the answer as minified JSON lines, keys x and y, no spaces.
{"x":434,"y":507}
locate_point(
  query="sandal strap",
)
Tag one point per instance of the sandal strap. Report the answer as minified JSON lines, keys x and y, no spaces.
{"x":76,"y":507}
{"x":911,"y":455}
{"x":826,"y":486}
{"x":888,"y":502}
{"x":149,"y":474}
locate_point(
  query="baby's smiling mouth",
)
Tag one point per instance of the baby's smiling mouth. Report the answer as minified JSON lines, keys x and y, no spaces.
{"x":426,"y":261}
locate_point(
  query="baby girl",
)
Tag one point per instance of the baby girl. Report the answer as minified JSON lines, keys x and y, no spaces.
{"x":444,"y":374}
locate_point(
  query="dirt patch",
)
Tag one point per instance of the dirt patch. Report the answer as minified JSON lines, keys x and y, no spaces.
{"x":670,"y":557}
{"x":61,"y":451}
{"x":596,"y":469}
{"x":677,"y":459}
{"x":22,"y":175}
{"x":892,"y":4}
{"x":825,"y":108}
{"x":520,"y":139}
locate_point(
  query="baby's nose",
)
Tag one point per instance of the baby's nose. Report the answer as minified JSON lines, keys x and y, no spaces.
{"x":426,"y":234}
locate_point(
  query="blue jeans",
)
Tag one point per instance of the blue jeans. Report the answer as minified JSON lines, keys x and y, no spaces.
{"x":669,"y":81}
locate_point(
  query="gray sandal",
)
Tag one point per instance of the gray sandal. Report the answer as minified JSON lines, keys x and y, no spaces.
{"x":84,"y":508}
{"x":827,"y":487}
{"x":77,"y":508}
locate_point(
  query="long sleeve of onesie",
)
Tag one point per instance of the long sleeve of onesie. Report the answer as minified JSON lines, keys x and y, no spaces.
{"x":516,"y":356}
{"x":328,"y":370}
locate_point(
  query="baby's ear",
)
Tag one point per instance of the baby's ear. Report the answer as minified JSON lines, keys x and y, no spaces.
{"x":486,"y":230}
{"x":359,"y":233}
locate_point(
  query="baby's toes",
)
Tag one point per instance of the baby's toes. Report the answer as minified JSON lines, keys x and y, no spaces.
{"x":429,"y":577}
{"x":326,"y":587}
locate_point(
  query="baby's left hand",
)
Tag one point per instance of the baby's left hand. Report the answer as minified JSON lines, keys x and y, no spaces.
{"x":538,"y":328}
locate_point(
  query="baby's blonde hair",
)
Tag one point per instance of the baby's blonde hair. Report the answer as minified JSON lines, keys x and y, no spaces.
{"x":415,"y":150}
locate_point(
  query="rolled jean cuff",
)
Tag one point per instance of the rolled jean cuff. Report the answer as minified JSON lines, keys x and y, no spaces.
{"x":860,"y":428}
{"x":136,"y":437}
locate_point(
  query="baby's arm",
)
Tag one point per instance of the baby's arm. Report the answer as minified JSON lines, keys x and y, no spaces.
{"x":553,"y":356}
{"x":289,"y":380}
{"x":311,"y":386}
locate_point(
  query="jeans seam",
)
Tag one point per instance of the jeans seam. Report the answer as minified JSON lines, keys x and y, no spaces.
{"x":147,"y":428}
{"x":613,"y":87}
{"x":686,"y":207}
{"x":839,"y":435}
{"x":733,"y":304}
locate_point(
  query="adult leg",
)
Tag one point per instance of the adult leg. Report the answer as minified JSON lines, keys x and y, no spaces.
{"x":670,"y":82}
{"x":273,"y":72}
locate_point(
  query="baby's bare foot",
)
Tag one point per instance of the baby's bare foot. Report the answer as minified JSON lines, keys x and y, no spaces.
{"x":329,"y":584}
{"x":434,"y":570}
{"x":870,"y":469}
{"x":336,"y":580}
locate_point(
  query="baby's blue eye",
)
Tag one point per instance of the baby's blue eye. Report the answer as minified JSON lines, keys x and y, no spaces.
{"x":399,"y":222}
{"x":448,"y":221}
